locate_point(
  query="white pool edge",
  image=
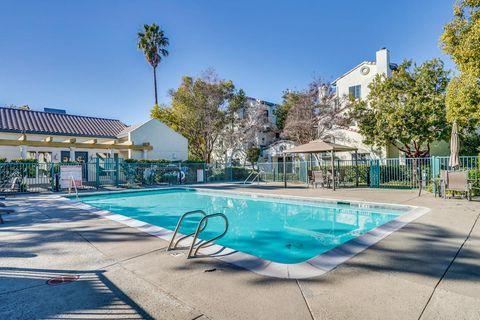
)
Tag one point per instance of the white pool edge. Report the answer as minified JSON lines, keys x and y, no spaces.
{"x":313,"y":267}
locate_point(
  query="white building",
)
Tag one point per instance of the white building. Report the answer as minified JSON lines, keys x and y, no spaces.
{"x":354,"y":83}
{"x":54,"y":136}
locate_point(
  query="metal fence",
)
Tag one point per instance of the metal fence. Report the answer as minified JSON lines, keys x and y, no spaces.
{"x":99,"y":173}
{"x":396,"y":173}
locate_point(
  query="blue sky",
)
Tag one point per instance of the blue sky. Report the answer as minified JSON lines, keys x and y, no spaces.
{"x":82,"y":56}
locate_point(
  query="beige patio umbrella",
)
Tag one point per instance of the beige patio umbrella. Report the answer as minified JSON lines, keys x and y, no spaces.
{"x":454,"y":147}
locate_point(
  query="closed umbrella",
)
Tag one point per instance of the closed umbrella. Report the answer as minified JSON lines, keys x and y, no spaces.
{"x":454,"y":147}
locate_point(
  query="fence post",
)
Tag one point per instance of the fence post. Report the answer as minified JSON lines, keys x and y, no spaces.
{"x":117,"y":171}
{"x":53,"y":176}
{"x":97,"y":172}
{"x":305,"y":165}
{"x":374,"y":174}
{"x":205,"y":172}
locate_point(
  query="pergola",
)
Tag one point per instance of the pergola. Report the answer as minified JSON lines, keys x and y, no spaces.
{"x":318,"y":146}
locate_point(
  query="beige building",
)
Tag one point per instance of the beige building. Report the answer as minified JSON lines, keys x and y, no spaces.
{"x":53,"y":136}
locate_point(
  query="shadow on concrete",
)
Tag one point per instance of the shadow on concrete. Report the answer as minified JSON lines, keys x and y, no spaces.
{"x":428,"y":249}
{"x":92,"y":295}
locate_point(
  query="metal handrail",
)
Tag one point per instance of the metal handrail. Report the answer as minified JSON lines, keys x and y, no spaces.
{"x":72,"y":181}
{"x":199,"y":229}
{"x":170,"y":247}
{"x":248,"y":177}
{"x":257,"y":176}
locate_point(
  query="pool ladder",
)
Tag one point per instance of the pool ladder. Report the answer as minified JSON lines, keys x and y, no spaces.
{"x":202,"y":224}
{"x":255,"y":175}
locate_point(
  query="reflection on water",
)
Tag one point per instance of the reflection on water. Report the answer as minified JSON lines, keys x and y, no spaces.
{"x":273,"y":229}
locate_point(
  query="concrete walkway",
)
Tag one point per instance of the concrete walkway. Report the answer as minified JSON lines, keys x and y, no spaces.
{"x":430,"y":269}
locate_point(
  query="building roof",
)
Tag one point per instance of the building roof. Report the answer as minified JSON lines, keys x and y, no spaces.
{"x":38,"y":122}
{"x":354,"y":68}
{"x":393,"y":66}
{"x":268,"y":103}
{"x":129,"y":129}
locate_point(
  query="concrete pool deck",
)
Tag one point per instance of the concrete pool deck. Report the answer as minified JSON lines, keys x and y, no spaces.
{"x":429,"y":269}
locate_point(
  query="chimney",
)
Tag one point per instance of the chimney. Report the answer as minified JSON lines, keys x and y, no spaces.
{"x":383,"y":61}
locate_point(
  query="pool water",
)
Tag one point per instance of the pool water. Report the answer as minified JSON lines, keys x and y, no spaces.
{"x":280,"y":230}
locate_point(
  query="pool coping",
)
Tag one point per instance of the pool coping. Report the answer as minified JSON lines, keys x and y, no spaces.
{"x":313,"y":267}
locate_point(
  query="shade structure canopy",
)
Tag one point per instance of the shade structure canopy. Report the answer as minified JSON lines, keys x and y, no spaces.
{"x":317,"y":146}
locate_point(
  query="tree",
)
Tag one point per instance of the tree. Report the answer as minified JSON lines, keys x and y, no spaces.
{"x":461,"y":37}
{"x":463,"y":101}
{"x":231,"y":140}
{"x":201,"y":107}
{"x":248,"y":125}
{"x":470,"y":143}
{"x":406,"y":110}
{"x":461,"y":40}
{"x":253,"y":153}
{"x":281,"y":112}
{"x":153,"y":42}
{"x":313,"y":112}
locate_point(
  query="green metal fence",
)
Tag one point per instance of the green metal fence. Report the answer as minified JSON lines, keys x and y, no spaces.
{"x":99,"y":173}
{"x":395,"y":173}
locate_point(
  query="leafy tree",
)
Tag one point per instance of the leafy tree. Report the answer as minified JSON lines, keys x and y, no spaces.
{"x":313,"y":112}
{"x":281,"y":112}
{"x":253,"y":153}
{"x":461,"y":40}
{"x":153,"y":42}
{"x":470,"y":143}
{"x":231,"y":140}
{"x":201,"y":107}
{"x":406,"y":110}
{"x":463,"y":101}
{"x":461,"y":37}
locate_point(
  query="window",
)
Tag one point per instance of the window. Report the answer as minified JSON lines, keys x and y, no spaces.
{"x":64,"y":156}
{"x":361,"y":156}
{"x":41,"y":156}
{"x":355,"y":91}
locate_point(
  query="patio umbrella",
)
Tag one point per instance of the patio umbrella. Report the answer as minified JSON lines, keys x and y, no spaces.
{"x":454,"y":147}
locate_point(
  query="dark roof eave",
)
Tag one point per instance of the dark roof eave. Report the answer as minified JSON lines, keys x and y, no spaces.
{"x":58,"y":134}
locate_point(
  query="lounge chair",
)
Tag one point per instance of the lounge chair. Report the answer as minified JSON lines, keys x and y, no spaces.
{"x":457,"y":181}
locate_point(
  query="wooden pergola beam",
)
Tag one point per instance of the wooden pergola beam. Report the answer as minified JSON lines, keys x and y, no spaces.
{"x":130,"y":146}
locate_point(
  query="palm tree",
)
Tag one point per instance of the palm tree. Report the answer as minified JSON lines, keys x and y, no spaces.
{"x":153,"y":43}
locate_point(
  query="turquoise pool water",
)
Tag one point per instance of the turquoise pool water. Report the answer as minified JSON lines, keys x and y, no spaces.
{"x":285,"y":231}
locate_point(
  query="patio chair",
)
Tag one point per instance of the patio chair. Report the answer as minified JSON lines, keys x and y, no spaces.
{"x":441,"y":183}
{"x":319,"y":178}
{"x":457,"y":181}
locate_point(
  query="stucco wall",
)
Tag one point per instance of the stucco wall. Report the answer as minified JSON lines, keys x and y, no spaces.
{"x":167,"y":144}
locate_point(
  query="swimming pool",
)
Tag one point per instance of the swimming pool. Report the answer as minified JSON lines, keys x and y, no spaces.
{"x":277,"y":229}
